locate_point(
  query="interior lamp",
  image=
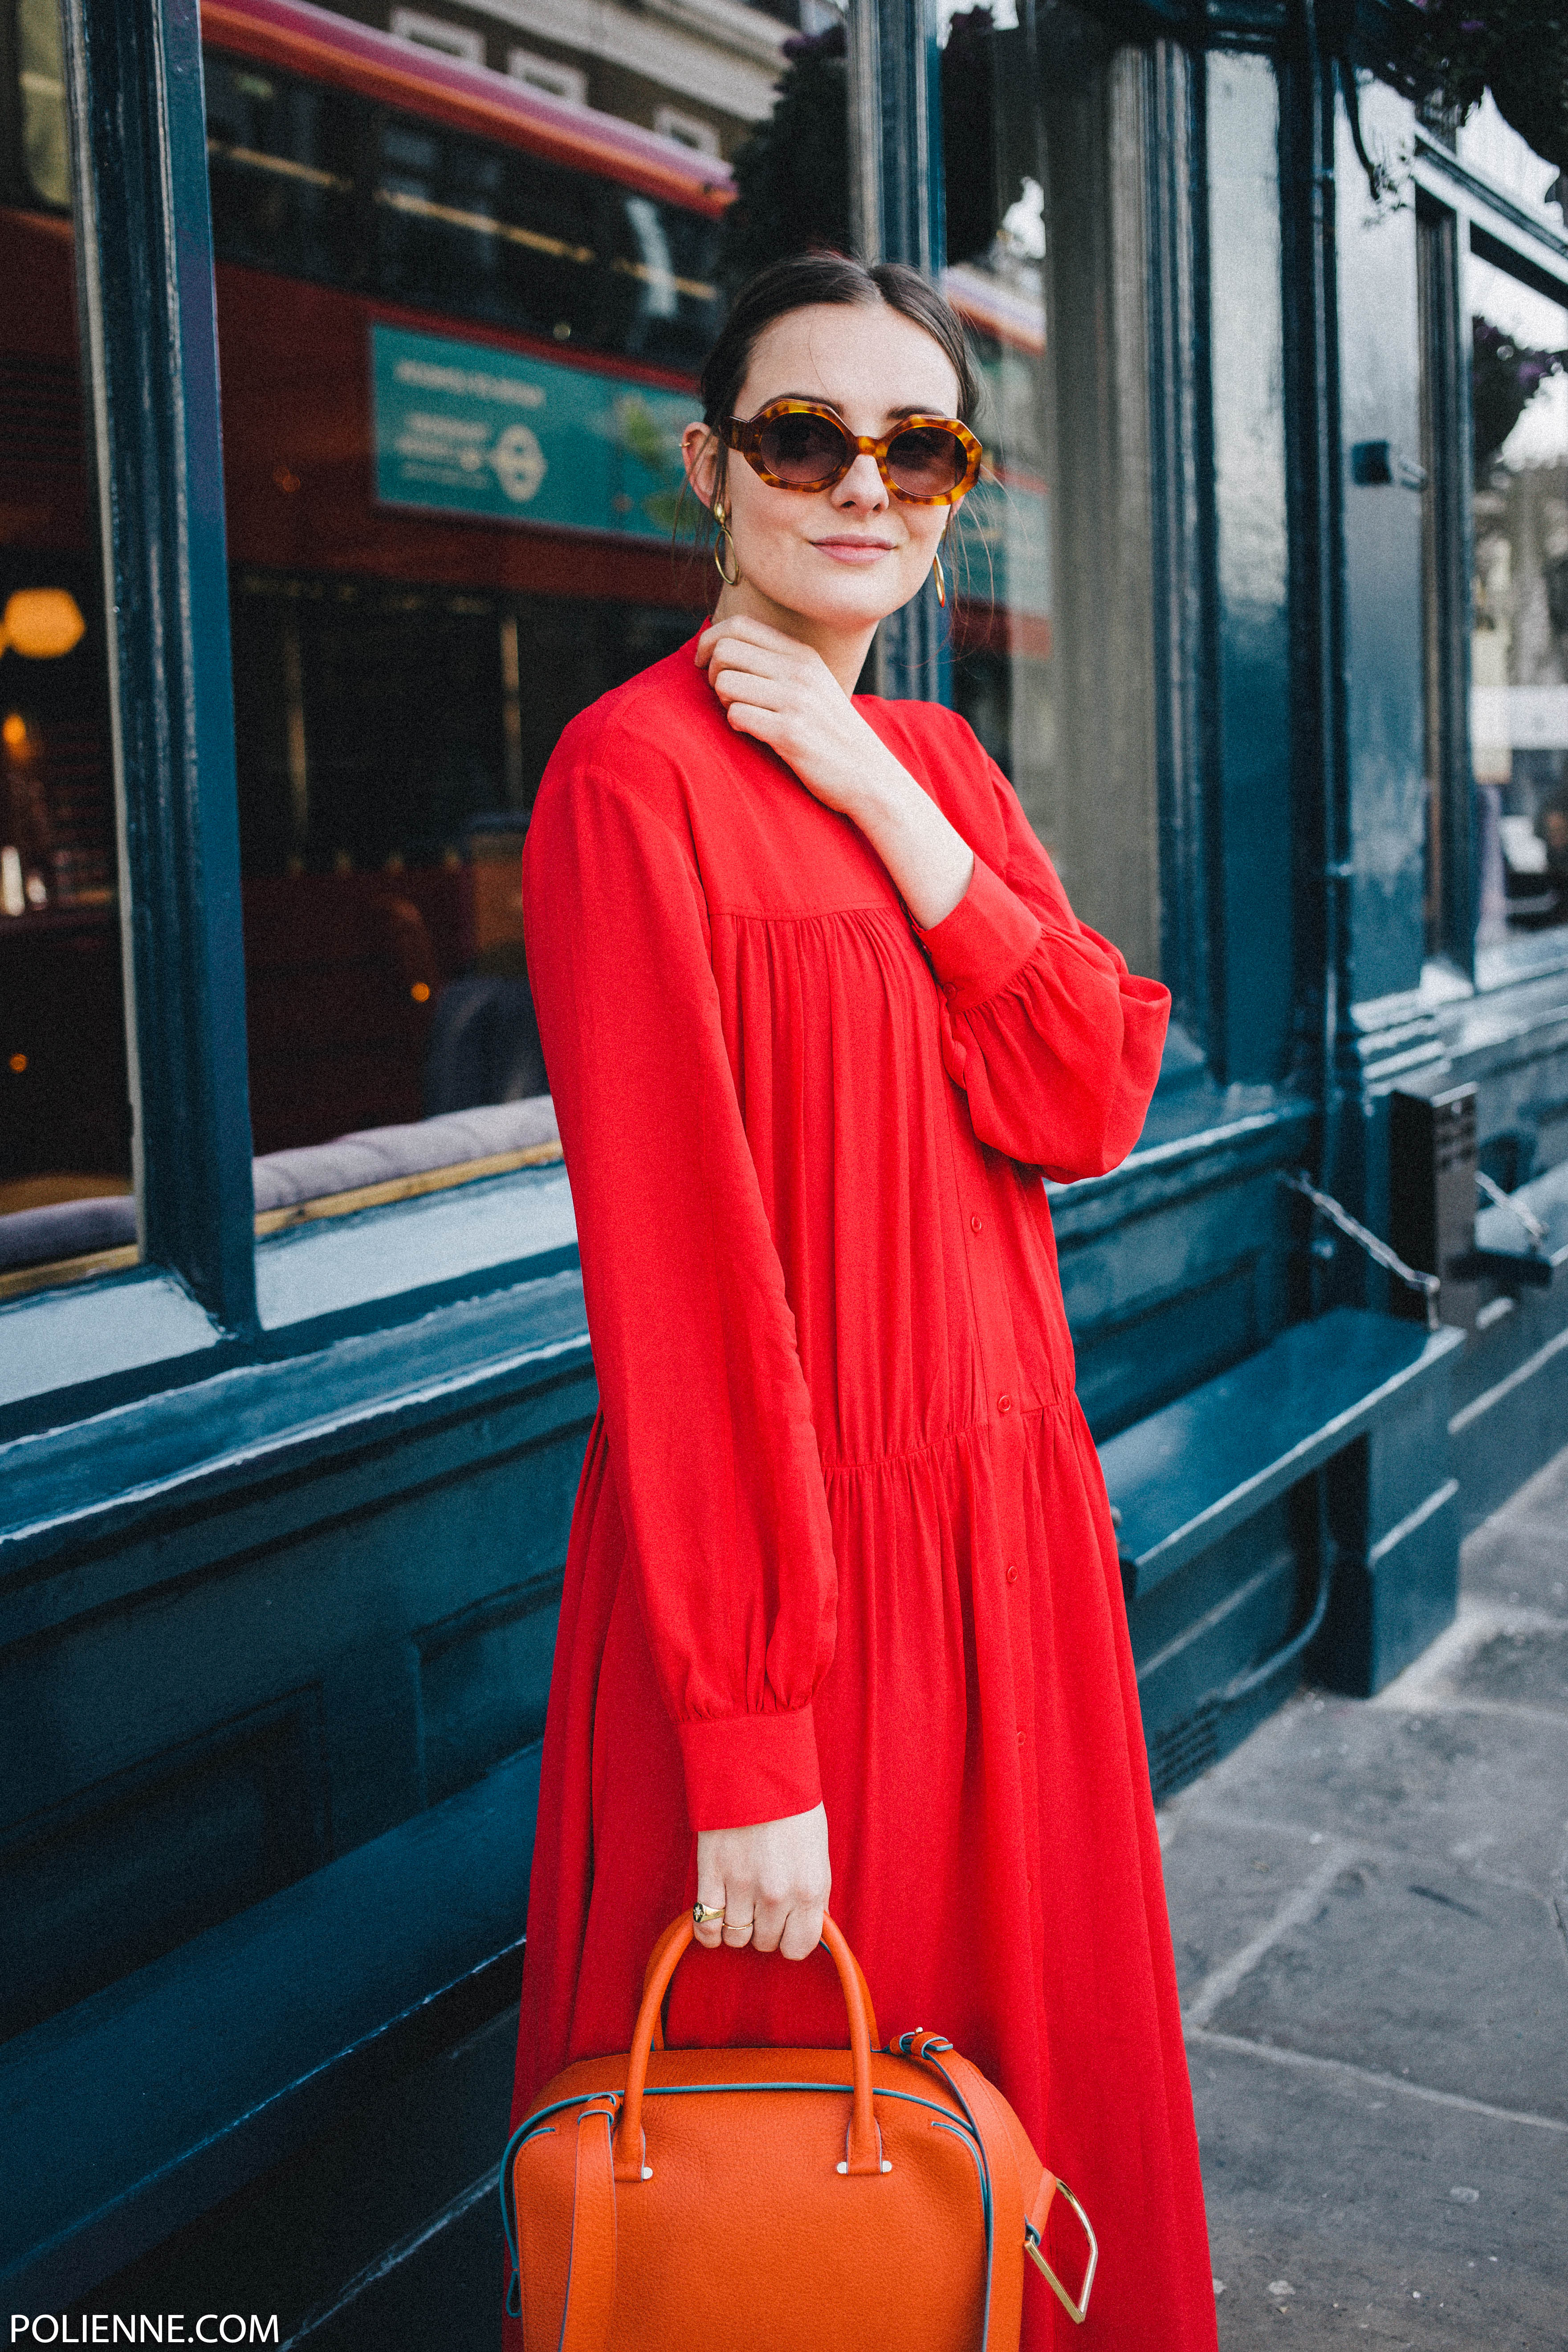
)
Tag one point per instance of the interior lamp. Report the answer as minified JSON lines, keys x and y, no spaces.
{"x":41,"y":624}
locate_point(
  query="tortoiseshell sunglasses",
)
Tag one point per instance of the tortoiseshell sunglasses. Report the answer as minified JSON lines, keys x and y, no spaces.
{"x":802,"y":445}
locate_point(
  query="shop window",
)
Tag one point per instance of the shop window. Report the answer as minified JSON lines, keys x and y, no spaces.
{"x":1519,"y":645}
{"x":457,"y":362}
{"x":65,"y":1119}
{"x":1047,"y":263}
{"x":45,"y":147}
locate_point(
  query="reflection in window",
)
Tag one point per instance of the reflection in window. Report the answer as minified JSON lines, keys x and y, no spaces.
{"x":65,"y":1123}
{"x":435,"y":33}
{"x":457,"y":362}
{"x":383,"y":797}
{"x":1519,"y":657}
{"x":41,"y":92}
{"x":1053,"y":650}
{"x":317,"y":182}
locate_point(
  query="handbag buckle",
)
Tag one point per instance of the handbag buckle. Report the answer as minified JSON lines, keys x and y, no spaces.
{"x":1077,"y":2312}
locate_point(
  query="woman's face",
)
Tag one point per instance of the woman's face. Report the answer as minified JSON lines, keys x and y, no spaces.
{"x":840,"y":559}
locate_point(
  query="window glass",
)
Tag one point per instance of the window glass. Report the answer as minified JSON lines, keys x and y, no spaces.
{"x":65,"y":1121}
{"x":44,"y":155}
{"x":1518,"y":654}
{"x":1494,"y":148}
{"x":1052,"y":626}
{"x":460,"y":319}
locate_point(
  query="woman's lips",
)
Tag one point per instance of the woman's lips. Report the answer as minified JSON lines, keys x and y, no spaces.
{"x":854,"y":550}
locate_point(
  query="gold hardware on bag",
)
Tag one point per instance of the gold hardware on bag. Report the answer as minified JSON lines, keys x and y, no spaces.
{"x":1077,"y":2312}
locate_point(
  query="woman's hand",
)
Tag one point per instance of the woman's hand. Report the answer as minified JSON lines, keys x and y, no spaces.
{"x":783,"y":693}
{"x":772,"y":1881}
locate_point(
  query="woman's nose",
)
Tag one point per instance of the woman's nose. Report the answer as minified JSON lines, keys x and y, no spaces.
{"x":862,"y":485}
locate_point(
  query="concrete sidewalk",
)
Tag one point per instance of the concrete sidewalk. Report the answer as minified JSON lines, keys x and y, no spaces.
{"x":1370,"y":1906}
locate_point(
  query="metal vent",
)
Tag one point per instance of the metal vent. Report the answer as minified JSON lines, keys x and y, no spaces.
{"x":1183,"y":1749}
{"x":1432,"y":1193}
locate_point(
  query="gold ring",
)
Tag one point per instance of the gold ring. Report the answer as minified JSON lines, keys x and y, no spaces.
{"x":702,"y":1912}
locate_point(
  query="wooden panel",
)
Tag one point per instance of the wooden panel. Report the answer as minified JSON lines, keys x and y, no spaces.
{"x":150,"y":1857}
{"x":163,"y":1771}
{"x":484,"y":1681}
{"x":1225,"y":1612}
{"x":1181,"y":1265}
{"x":1126,"y":1373}
{"x":282,"y":2020}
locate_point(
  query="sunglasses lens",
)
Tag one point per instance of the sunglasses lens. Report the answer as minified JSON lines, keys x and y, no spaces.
{"x":927,"y":461}
{"x":802,"y":450}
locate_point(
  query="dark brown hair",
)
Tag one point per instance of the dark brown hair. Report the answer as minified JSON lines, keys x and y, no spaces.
{"x":803,"y":279}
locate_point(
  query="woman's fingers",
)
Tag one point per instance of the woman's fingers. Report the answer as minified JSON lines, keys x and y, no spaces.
{"x":738,"y":1921}
{"x":802,"y":1933}
{"x":739,"y":628}
{"x":768,"y":1923}
{"x":710,"y":1897}
{"x":787,"y":665}
{"x":772,"y":1879}
{"x":750,"y":686}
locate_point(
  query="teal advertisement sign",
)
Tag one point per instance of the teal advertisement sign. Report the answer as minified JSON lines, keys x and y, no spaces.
{"x":464,"y":428}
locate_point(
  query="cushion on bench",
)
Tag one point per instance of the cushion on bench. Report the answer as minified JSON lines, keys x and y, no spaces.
{"x":378,"y":1155}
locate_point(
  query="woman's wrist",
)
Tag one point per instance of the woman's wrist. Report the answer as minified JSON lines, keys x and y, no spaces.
{"x":928,"y":860}
{"x":882,"y":789}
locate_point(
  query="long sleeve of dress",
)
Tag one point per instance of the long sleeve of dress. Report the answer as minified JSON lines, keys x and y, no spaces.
{"x":712,"y":1448}
{"x":1055,"y":1042}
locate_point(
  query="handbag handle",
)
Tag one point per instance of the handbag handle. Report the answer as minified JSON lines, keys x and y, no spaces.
{"x":863,"y":2150}
{"x":654,"y":1957}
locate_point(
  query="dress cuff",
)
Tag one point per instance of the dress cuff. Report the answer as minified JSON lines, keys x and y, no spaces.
{"x":742,"y":1769}
{"x":988,"y":938}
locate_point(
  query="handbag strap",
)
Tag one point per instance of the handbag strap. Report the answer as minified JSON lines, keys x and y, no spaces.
{"x":1023,"y":2189}
{"x":591,"y":2265}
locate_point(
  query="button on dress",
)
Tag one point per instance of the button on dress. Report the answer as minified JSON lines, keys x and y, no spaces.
{"x":841,"y":1532}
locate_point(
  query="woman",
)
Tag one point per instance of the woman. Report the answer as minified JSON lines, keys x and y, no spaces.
{"x":842,"y":1605}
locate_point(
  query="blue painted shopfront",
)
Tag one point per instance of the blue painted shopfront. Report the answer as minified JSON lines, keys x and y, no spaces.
{"x":283,"y":1511}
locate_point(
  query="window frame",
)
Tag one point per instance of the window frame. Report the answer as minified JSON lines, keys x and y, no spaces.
{"x":1447,"y":587}
{"x":1494,"y":225}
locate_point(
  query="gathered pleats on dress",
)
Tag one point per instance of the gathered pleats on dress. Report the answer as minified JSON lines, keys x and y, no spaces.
{"x":841,"y":1531}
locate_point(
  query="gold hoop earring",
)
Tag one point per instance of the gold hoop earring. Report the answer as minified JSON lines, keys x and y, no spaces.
{"x":936,"y":573}
{"x":725,"y":545}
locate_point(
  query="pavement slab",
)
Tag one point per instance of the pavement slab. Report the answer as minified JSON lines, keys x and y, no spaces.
{"x":1434,"y":1974}
{"x":1524,"y":1666}
{"x":1520,"y":1553}
{"x":1370,"y":1909}
{"x":1340,"y":2208}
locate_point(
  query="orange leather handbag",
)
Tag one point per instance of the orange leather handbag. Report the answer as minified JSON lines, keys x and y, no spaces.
{"x":813,"y":2201}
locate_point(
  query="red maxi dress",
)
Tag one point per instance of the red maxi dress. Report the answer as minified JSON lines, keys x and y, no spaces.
{"x":841,"y":1532}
